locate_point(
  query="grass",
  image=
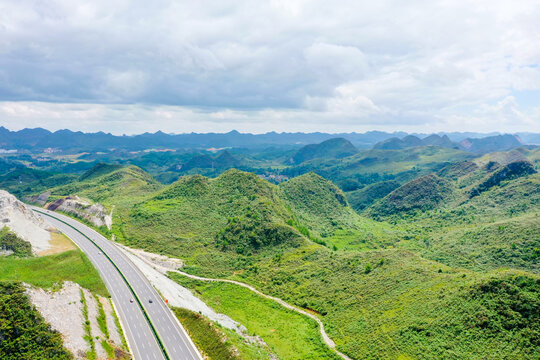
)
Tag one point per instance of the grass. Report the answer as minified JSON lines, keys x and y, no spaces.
{"x":109,"y":349}
{"x":119,"y":327}
{"x":208,"y":338}
{"x":58,"y":244}
{"x":48,"y":272}
{"x":102,"y":319}
{"x":91,"y":354}
{"x":288,"y":334}
{"x":367,"y":313}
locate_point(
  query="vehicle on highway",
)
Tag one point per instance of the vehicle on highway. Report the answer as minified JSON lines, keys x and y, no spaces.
{"x":130,"y":300}
{"x":150,"y":301}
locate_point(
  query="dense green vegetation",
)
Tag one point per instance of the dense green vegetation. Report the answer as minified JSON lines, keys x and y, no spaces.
{"x":24,"y":334}
{"x":423,"y":193}
{"x":508,"y":172}
{"x":288,"y":334}
{"x":210,"y":340}
{"x":334,"y":148}
{"x":371,"y":166}
{"x":420,"y":270}
{"x":11,"y":242}
{"x":125,"y":182}
{"x":98,"y":170}
{"x":362,"y":198}
{"x":50,"y":271}
{"x":23,"y":181}
{"x":217,"y":343}
{"x":322,"y":208}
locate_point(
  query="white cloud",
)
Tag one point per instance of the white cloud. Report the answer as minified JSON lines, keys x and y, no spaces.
{"x":333,"y":64}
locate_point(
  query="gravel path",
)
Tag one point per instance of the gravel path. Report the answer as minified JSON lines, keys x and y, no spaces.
{"x":162,"y":266}
{"x":155,"y":268}
{"x":324,"y":335}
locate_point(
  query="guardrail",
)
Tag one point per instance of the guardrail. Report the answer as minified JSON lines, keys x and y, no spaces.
{"x":162,"y":347}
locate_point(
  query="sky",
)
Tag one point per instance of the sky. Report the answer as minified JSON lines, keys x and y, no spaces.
{"x":129,"y":67}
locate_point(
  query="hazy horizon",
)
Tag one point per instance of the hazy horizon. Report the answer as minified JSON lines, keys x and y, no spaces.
{"x":489,"y":133}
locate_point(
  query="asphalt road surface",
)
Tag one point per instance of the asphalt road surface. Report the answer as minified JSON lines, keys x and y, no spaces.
{"x":141,"y":339}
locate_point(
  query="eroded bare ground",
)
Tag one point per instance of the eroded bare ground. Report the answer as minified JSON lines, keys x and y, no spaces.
{"x":96,"y":213}
{"x":58,"y":244}
{"x":63,"y":309}
{"x":24,"y":222}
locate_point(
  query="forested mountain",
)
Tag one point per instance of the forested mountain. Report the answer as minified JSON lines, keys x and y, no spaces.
{"x":72,"y":141}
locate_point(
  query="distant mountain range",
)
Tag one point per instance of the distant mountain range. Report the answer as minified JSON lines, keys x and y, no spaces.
{"x":474,"y":145}
{"x":335,"y":148}
{"x":66,"y":140}
{"x":408,"y":141}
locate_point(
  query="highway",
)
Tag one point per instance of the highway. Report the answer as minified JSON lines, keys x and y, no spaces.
{"x":140,"y":336}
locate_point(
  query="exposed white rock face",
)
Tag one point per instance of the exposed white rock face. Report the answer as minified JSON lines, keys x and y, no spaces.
{"x":63,"y":309}
{"x":24,"y":222}
{"x":95,"y":213}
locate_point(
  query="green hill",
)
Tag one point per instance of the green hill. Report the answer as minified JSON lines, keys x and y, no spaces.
{"x":25,"y":181}
{"x":372,"y":166}
{"x":231,"y":212}
{"x":362,"y":198}
{"x":458,"y":169}
{"x":98,"y":170}
{"x":225,"y":160}
{"x":428,"y":284}
{"x":496,"y":228}
{"x":375,"y":304}
{"x":333,"y":148}
{"x":508,"y":172}
{"x":242,"y":213}
{"x":322,"y":208}
{"x":422,"y":194}
{"x":123,"y":183}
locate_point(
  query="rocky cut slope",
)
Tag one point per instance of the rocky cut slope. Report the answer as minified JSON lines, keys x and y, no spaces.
{"x":24,"y":222}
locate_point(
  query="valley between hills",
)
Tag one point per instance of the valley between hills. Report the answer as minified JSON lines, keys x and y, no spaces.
{"x":403,"y":251}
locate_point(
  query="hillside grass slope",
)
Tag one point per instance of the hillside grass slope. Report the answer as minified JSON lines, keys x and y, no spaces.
{"x":425,"y":280}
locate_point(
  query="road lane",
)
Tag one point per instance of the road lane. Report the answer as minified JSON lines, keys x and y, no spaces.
{"x":177,"y":343}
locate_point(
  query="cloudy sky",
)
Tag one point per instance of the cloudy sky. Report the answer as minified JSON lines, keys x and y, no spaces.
{"x":285,"y":65}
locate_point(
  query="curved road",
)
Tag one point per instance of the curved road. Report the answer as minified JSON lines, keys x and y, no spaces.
{"x":139,"y":334}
